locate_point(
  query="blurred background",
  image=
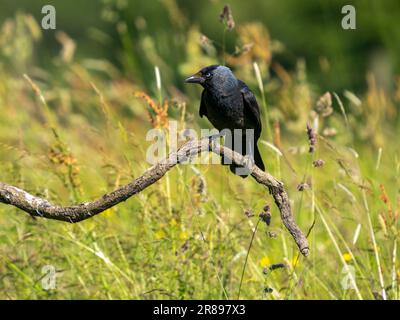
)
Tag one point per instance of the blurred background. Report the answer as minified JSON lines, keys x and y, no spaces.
{"x":125,"y":31}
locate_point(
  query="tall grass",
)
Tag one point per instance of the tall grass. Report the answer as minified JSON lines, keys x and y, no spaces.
{"x":73,"y":132}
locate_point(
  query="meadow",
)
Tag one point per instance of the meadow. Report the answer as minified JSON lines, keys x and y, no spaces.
{"x":74,"y":128}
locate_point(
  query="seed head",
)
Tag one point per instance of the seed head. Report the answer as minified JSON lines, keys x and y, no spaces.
{"x":249,"y":213}
{"x":227,"y":17}
{"x":312,"y":138}
{"x":266,"y":215}
{"x":302,"y":186}
{"x":324,"y":105}
{"x":318,"y":163}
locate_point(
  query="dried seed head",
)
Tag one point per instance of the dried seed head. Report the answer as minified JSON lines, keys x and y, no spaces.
{"x":268,"y":290}
{"x":266,"y":215}
{"x":302,"y":186}
{"x":227,"y":17}
{"x":160,"y":119}
{"x":201,"y":188}
{"x":318,"y":163}
{"x":204,"y":41}
{"x":272,"y":234}
{"x":312,"y":138}
{"x":324,"y":105}
{"x":185,"y":246}
{"x":249,"y":213}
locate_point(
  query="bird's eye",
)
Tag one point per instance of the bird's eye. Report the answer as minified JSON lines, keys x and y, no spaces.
{"x":208,"y":75}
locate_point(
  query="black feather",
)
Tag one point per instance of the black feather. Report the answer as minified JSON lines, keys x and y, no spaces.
{"x":228,"y":103}
{"x":203,"y":108}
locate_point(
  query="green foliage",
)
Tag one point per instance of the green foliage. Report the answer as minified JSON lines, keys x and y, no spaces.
{"x":73,"y":128}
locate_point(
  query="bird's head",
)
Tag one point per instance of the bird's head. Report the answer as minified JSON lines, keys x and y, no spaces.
{"x":214,"y":76}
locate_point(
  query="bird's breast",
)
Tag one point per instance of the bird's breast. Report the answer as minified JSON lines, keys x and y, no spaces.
{"x":225,"y":111}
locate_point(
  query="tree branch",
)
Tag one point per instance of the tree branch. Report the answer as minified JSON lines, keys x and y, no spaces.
{"x":38,"y":207}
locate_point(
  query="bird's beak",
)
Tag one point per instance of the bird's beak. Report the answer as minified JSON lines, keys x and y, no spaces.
{"x":196,"y":78}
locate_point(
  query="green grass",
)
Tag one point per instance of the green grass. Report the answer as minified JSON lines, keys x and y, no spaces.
{"x":82,"y":132}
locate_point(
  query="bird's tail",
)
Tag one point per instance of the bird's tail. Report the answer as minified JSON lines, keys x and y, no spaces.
{"x":257,"y":160}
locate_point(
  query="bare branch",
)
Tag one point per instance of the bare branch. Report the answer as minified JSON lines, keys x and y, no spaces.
{"x":38,"y":207}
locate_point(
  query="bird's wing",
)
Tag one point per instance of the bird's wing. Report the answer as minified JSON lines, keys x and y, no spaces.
{"x":251,"y":106}
{"x":203,"y":108}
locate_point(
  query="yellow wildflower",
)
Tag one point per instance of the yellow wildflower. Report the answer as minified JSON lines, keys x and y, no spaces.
{"x":347,"y":257}
{"x":160,"y":234}
{"x":295,"y":261}
{"x":265,"y":261}
{"x":173,"y":222}
{"x":108,"y":212}
{"x":184,"y":235}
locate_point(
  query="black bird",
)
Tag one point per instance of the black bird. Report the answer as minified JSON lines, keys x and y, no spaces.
{"x":229,"y":104}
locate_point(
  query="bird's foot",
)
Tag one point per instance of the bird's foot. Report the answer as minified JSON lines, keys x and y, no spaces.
{"x":215,"y":136}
